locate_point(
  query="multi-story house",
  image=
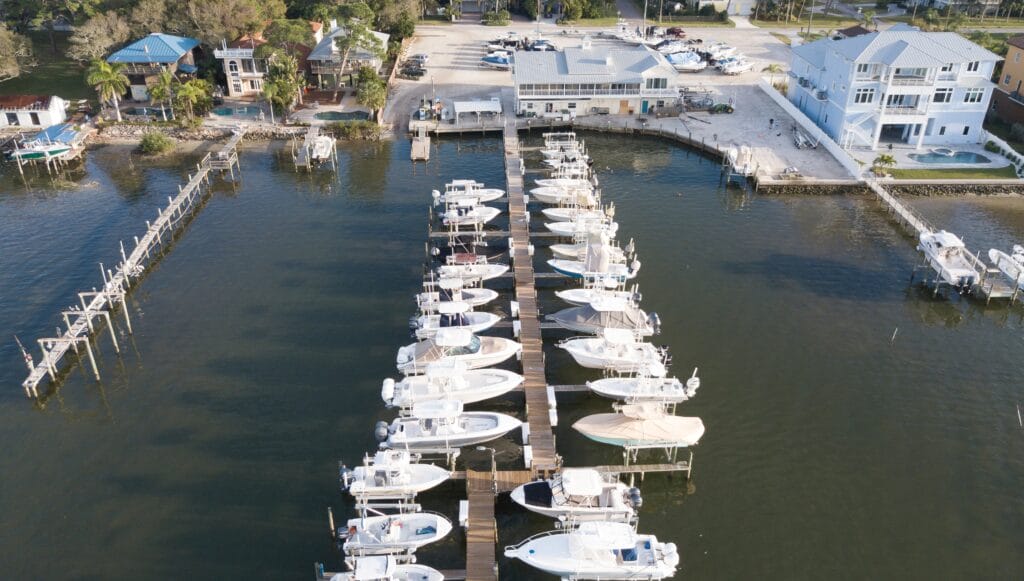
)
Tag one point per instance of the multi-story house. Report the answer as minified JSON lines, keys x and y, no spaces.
{"x":896,"y":86}
{"x":1008,"y":99}
{"x":244,"y":71}
{"x":326,"y":59}
{"x":588,"y":80}
{"x":149,"y":55}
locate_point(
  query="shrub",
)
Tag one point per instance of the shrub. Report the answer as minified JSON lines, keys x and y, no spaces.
{"x":1017,"y":131}
{"x":154,"y":143}
{"x":499,"y":18}
{"x":991,"y":146}
{"x":357,"y":130}
{"x":707,"y":10}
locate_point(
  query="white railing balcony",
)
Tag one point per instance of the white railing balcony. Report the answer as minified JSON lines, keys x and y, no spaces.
{"x":586,"y":93}
{"x":866,"y":78}
{"x":911,"y":81}
{"x":903,"y":111}
{"x":232,"y":53}
{"x":671,"y":92}
{"x":946,"y":77}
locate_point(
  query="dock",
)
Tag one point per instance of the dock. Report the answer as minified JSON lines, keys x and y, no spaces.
{"x":101,"y":304}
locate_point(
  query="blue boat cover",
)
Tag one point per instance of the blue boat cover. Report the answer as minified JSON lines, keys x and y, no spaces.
{"x":187,"y":68}
{"x":61,"y":133}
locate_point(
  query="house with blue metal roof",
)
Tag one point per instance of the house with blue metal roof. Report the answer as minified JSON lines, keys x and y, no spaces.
{"x":149,"y":55}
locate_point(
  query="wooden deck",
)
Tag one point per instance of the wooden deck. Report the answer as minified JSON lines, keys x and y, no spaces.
{"x":535,"y":385}
{"x":482,"y":533}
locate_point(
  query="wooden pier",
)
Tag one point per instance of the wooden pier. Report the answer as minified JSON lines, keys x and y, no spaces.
{"x":100,"y":304}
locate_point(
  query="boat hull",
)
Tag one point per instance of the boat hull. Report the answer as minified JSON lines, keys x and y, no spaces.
{"x":637,"y":389}
{"x":422,"y":477}
{"x":628,"y":359}
{"x":502,"y":424}
{"x":581,"y":297}
{"x":479,"y":385}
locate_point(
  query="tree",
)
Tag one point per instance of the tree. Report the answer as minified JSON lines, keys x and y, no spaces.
{"x":883,"y":162}
{"x":284,"y":76}
{"x":47,"y":13}
{"x":162,"y":91}
{"x":109,"y":81}
{"x":97,"y":37}
{"x":772,"y":69}
{"x":214,"y":20}
{"x":869,"y":18}
{"x":15,"y":53}
{"x":288,"y":33}
{"x":193,"y":94}
{"x":270,"y":92}
{"x":359,"y":37}
{"x":148,"y":16}
{"x":373,"y":91}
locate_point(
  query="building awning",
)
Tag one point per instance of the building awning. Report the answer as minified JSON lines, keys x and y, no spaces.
{"x":490,"y":106}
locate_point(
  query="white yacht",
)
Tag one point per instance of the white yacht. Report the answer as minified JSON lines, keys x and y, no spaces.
{"x":1011,"y":265}
{"x":449,"y":380}
{"x":453,"y":315}
{"x":455,"y":344}
{"x":468,"y":212}
{"x":391,"y":473}
{"x":443,"y":424}
{"x":607,"y":313}
{"x":385,"y":568}
{"x":947,"y":254}
{"x":379,"y":535}
{"x":470,"y":268}
{"x":615,"y":350}
{"x":641,"y":425}
{"x":460,"y":189}
{"x":573,"y":213}
{"x":580,"y":227}
{"x":648,"y":384}
{"x":598,"y":550}
{"x":452,"y":289}
{"x":579,"y":494}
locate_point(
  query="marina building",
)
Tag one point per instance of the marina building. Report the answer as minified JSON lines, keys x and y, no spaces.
{"x":591,"y":80}
{"x":899,"y":86}
{"x":32,"y":110}
{"x":149,"y":55}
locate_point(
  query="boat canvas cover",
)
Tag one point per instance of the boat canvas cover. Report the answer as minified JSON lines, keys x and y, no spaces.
{"x":581,"y":482}
{"x":368,"y":568}
{"x":643,"y":431}
{"x":62,"y":133}
{"x":588,"y":316}
{"x":537,"y":493}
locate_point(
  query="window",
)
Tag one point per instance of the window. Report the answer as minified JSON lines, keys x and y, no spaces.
{"x":973,"y":95}
{"x":233,"y":66}
{"x":657,"y":83}
{"x":1016,"y":57}
{"x":572,"y":105}
{"x":972,"y":67}
{"x":943,"y":96}
{"x":12,"y":119}
{"x":948,"y":67}
{"x":35,"y":118}
{"x":967,"y":129}
{"x":529,"y":105}
{"x":1006,"y":80}
{"x":254,"y":85}
{"x":862,"y":68}
{"x":236,"y":87}
{"x":864,"y":96}
{"x":942,"y":130}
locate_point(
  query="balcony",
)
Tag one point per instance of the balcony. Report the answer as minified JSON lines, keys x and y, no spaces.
{"x":902,"y":111}
{"x":914,"y":81}
{"x":233,"y":53}
{"x":667,"y":92}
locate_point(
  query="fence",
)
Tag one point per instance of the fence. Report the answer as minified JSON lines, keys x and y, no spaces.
{"x":1005,"y":149}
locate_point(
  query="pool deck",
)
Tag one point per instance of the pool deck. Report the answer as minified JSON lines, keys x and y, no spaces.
{"x":902,"y":154}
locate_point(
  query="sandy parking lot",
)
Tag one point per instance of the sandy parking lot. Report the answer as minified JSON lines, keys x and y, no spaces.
{"x":454,"y":71}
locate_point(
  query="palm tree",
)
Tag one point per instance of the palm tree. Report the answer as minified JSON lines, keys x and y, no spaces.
{"x":869,"y":18}
{"x":191,"y":93}
{"x":883,"y":161}
{"x":772,"y":69}
{"x":270,"y":92}
{"x":109,"y":81}
{"x":162,"y":91}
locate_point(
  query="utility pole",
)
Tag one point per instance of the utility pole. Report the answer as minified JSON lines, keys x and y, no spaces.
{"x":810,"y":20}
{"x":643,"y":34}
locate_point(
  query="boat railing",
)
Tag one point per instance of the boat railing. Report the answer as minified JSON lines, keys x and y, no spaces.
{"x":518,"y":545}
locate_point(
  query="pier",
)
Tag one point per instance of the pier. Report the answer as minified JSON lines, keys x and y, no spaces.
{"x":80,"y":320}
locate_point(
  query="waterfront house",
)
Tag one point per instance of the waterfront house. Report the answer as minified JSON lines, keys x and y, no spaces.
{"x":896,"y":86}
{"x":32,"y":110}
{"x":244,"y":71}
{"x":968,"y":7}
{"x":149,"y":55}
{"x":325,"y":60}
{"x":591,"y":80}
{"x":1008,"y":98}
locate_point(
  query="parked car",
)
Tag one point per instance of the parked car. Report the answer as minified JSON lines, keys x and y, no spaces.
{"x":675,"y":32}
{"x":420,"y":58}
{"x":411,"y":72}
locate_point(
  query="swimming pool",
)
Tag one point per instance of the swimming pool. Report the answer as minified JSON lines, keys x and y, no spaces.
{"x":342,"y":115}
{"x":957,"y":157}
{"x":246,"y":111}
{"x":146,"y":111}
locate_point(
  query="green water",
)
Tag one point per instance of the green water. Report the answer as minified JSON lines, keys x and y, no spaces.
{"x":209,"y":448}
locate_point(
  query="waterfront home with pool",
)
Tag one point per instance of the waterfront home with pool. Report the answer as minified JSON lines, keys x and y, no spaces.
{"x":147,"y":57}
{"x":244,"y":71}
{"x":897,"y":86}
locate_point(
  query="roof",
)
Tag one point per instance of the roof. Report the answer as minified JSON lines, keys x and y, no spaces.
{"x":855,"y":30}
{"x":900,"y":46}
{"x":488,"y":106}
{"x":24,"y":101}
{"x":61,"y":133}
{"x":588,"y":65}
{"x":155,"y":48}
{"x":326,"y":50}
{"x":1017,"y":41}
{"x":248,"y":41}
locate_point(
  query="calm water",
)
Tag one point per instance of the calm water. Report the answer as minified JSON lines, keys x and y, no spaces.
{"x":210,"y":447}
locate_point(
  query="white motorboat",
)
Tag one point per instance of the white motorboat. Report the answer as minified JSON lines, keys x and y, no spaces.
{"x":385,"y":568}
{"x":499,"y":60}
{"x":470,"y":267}
{"x":607,"y":313}
{"x":598,"y":261}
{"x":573,"y":170}
{"x":323,"y":148}
{"x":449,"y":380}
{"x":648,"y":385}
{"x":561,"y":150}
{"x":579,"y":197}
{"x":641,"y":425}
{"x":947,"y":254}
{"x":391,"y":473}
{"x":584,"y":296}
{"x":579,"y":494}
{"x":598,"y":550}
{"x":468,"y":212}
{"x":578,"y":227}
{"x":452,"y":289}
{"x":564,"y":183}
{"x":572,"y":214}
{"x":442,"y":424}
{"x":568,"y":157}
{"x":456,"y":344}
{"x":578,"y":251}
{"x":466,"y":189}
{"x":670,"y":47}
{"x":377,"y":535}
{"x":737,"y":67}
{"x":615,"y":350}
{"x":559,"y":138}
{"x":719,"y":50}
{"x":453,"y":315}
{"x":1011,"y":265}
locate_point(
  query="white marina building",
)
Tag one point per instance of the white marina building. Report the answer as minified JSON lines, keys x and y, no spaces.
{"x":590,"y":80}
{"x":896,"y":86}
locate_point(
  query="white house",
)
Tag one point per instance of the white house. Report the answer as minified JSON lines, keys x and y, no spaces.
{"x":325,"y":59}
{"x":244,"y":72}
{"x":896,"y":86}
{"x":588,"y":80}
{"x":32,"y":111}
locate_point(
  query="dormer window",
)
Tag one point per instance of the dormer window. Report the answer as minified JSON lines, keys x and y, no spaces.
{"x":863,"y":68}
{"x":972,"y":67}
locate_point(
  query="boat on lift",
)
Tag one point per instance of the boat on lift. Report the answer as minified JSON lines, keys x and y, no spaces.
{"x":598,"y":551}
{"x":393,"y":533}
{"x":600,"y":287}
{"x":615,"y":350}
{"x":607,"y":313}
{"x":642,"y":425}
{"x":579,"y":197}
{"x":573,"y":213}
{"x":468,"y":212}
{"x":466,"y":189}
{"x":568,"y":157}
{"x":649,"y":384}
{"x":579,"y":494}
{"x":449,"y":380}
{"x":577,"y":250}
{"x":947,"y":254}
{"x":564,"y":183}
{"x":1011,"y":265}
{"x":470,"y":267}
{"x":598,"y":261}
{"x":582,"y":227}
{"x":442,"y":424}
{"x":455,"y":344}
{"x":451,"y":289}
{"x":391,"y":473}
{"x":386,"y":568}
{"x":453,"y":315}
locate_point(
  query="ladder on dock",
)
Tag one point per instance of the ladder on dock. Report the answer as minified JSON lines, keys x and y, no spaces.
{"x":79,"y":320}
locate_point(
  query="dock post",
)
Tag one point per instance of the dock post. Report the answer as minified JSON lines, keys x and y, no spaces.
{"x":330,"y":522}
{"x":113,"y":336}
{"x":92,"y":360}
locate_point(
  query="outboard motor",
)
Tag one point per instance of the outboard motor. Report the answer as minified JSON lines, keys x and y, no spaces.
{"x":387,"y":391}
{"x":635,"y":266}
{"x":435,"y":251}
{"x":414,"y":322}
{"x":655,"y":322}
{"x":381,"y":431}
{"x":345,"y":477}
{"x":634,"y":498}
{"x":405,"y":354}
{"x":437,"y":197}
{"x":692,"y":385}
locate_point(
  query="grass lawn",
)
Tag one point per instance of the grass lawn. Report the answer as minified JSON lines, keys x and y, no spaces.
{"x":684,"y":24}
{"x":784,"y":39}
{"x":609,"y":21}
{"x":54,"y":75}
{"x":1001,"y":173}
{"x":821,"y":22}
{"x":969,"y":23}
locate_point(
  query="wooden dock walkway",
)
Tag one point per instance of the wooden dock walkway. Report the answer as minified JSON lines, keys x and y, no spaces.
{"x":482,"y":530}
{"x":79,"y":320}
